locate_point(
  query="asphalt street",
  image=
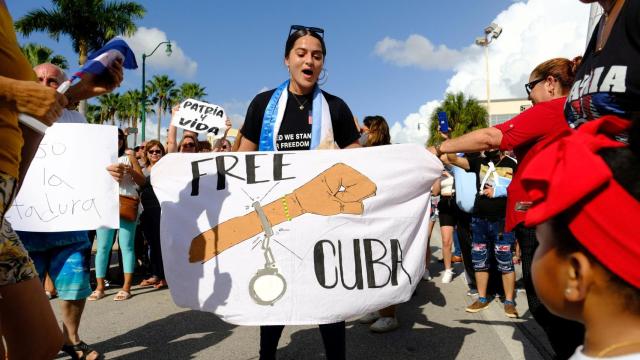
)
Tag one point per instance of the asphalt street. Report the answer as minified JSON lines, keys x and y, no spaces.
{"x":433,"y":325}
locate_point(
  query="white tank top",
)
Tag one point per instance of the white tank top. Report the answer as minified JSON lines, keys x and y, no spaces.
{"x":127,"y":185}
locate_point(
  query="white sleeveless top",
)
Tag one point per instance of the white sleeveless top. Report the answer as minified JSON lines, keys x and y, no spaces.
{"x":127,"y":185}
{"x":446,"y":186}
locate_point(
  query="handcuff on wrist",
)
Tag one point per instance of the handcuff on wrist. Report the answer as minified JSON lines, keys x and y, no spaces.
{"x":267,"y":286}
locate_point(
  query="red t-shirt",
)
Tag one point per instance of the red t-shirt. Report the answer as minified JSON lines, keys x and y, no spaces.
{"x":521,"y":134}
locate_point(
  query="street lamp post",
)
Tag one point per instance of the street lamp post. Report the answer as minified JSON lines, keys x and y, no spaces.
{"x":143,"y":116}
{"x":491,"y":33}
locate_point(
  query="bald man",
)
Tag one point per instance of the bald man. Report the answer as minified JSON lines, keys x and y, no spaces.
{"x":64,"y":255}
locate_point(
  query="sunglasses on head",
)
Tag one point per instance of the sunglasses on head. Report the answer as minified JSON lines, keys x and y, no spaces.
{"x":316,"y":30}
{"x":155,"y":152}
{"x":529,"y":86}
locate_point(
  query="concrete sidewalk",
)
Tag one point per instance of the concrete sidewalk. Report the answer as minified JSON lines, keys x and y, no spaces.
{"x":433,"y":325}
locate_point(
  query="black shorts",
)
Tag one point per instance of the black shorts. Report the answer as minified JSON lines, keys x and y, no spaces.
{"x":448,"y":211}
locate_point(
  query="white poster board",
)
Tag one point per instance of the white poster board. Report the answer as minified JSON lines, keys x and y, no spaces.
{"x":200,"y":117}
{"x":67,"y":186}
{"x":337,"y":233}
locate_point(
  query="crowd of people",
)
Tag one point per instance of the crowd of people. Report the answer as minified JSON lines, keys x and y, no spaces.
{"x":563,"y":205}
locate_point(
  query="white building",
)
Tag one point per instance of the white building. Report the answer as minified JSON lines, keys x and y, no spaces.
{"x":505,"y":109}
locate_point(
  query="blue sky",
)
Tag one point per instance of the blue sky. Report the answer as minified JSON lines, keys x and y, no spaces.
{"x":235,"y":48}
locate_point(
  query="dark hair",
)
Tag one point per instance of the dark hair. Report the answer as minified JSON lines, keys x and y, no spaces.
{"x":378,"y":131}
{"x":291,"y":40}
{"x":204,"y":146}
{"x":123,"y":147}
{"x":564,"y":70}
{"x":150,"y":144}
{"x":192,"y":137}
{"x":624,"y":163}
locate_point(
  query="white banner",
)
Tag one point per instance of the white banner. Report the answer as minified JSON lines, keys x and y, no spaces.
{"x":306,"y":237}
{"x":67,"y":186}
{"x":200,"y":117}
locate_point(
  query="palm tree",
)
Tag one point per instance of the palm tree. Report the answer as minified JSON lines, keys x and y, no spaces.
{"x":128,"y":106}
{"x":190,"y":91}
{"x":89,"y":23}
{"x":109,"y":104}
{"x":93,"y":115}
{"x":163,"y":93}
{"x":39,"y":54}
{"x":464,"y":114}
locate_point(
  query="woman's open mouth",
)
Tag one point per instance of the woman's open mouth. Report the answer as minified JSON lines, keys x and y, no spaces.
{"x":307,"y":73}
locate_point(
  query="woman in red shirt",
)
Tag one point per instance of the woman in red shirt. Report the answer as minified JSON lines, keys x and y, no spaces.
{"x":548,"y":86}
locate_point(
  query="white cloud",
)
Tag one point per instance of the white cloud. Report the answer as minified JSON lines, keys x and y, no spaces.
{"x":151,"y":130}
{"x":532,"y":34}
{"x":236,"y":110}
{"x":417,"y":51}
{"x":534,"y":31}
{"x":146,"y":39}
{"x":415,"y":127}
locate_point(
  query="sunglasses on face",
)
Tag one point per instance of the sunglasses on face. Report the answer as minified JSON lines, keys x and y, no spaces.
{"x":155,"y":152}
{"x":529,"y":86}
{"x":316,"y":30}
{"x":189,"y":144}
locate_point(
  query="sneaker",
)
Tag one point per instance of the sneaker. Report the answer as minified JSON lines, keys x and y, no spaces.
{"x":369,"y":318}
{"x":384,"y":324}
{"x":472,"y":292}
{"x":478,"y":305}
{"x":427,"y":275}
{"x":447,"y":276}
{"x":510,"y":309}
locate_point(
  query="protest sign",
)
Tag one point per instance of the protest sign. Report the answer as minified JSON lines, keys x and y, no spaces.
{"x":200,"y":117}
{"x":67,"y":186}
{"x":305,"y":237}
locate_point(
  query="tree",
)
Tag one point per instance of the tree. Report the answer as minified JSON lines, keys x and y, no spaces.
{"x":465,"y":114}
{"x":89,"y":23}
{"x":163,"y":92}
{"x":109,"y":104}
{"x":190,"y":91}
{"x":39,"y":54}
{"x":93,"y":114}
{"x":129,"y":107}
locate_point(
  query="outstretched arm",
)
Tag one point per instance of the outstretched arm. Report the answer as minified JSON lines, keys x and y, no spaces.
{"x":337,"y":190}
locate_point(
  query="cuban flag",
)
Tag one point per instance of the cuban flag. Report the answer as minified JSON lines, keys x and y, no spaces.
{"x":100,"y":60}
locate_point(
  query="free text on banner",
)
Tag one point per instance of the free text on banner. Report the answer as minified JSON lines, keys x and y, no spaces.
{"x":306,"y":237}
{"x":67,"y":186}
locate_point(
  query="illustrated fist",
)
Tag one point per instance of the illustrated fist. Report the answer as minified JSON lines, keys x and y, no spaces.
{"x":338,"y":190}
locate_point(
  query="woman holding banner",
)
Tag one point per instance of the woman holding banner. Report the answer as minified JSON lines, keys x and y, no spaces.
{"x":294,"y":116}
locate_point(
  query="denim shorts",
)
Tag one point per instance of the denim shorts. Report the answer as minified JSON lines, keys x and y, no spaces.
{"x":68,"y":267}
{"x":490,"y":244}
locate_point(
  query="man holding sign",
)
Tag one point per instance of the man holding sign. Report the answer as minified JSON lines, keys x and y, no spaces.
{"x":65,"y":256}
